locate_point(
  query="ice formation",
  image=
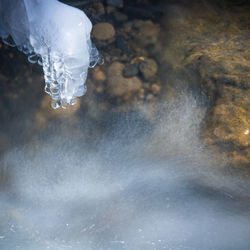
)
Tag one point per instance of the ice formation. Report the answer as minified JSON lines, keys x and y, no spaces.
{"x":55,"y":35}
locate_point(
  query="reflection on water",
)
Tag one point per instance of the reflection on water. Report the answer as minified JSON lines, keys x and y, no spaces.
{"x":118,"y":171}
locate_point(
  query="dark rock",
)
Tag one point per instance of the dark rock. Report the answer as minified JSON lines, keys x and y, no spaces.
{"x":99,"y":8}
{"x":119,"y":86}
{"x":122,"y":44}
{"x":130,"y":70}
{"x":120,"y":17}
{"x":148,"y":68}
{"x":116,"y":3}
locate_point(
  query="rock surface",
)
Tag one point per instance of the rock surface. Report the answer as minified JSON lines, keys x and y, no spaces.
{"x":119,"y":85}
{"x":211,"y":50}
{"x":130,"y":70}
{"x":148,"y":68}
{"x":103,"y":31}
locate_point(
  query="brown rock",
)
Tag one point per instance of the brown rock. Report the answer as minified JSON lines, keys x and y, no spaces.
{"x":99,"y":8}
{"x":141,"y":93}
{"x":103,"y":31}
{"x":120,"y":17}
{"x":98,"y":75}
{"x":148,"y":29}
{"x":228,"y":124}
{"x":156,"y":89}
{"x":148,"y":68}
{"x":110,"y":9}
{"x":119,"y":85}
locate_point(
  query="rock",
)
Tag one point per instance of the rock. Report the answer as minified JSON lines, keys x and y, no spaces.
{"x":149,"y":97}
{"x":229,"y":119}
{"x":156,"y":89}
{"x":3,"y":78}
{"x":122,"y":44}
{"x":98,"y":75}
{"x":120,"y":17}
{"x":116,"y":3}
{"x":99,"y":8}
{"x":212,"y":54}
{"x":115,"y":52}
{"x":137,"y":23}
{"x":119,"y":85}
{"x":99,"y":89}
{"x":130,"y":70}
{"x":148,"y":68}
{"x":148,"y":29}
{"x":127,"y":26}
{"x":228,"y":123}
{"x":103,"y":31}
{"x":110,"y":9}
{"x":141,"y":93}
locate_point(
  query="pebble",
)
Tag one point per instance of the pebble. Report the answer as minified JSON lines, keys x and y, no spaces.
{"x":98,"y":75}
{"x":156,"y":89}
{"x":99,"y":89}
{"x":99,"y":8}
{"x":141,"y":93}
{"x":122,"y":44}
{"x":120,"y":17}
{"x":130,"y":70}
{"x":148,"y":68}
{"x":103,"y":31}
{"x":110,"y":9}
{"x":149,"y":29}
{"x":128,"y":26}
{"x":116,"y":3}
{"x":119,"y":85}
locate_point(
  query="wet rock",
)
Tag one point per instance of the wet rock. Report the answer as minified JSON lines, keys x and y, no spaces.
{"x":213,"y":52}
{"x":228,"y":122}
{"x":3,"y":78}
{"x":130,"y":70}
{"x":122,"y":44}
{"x":148,"y":28}
{"x":148,"y":68}
{"x":115,"y":52}
{"x":145,"y":32}
{"x":99,"y":8}
{"x":119,"y":85}
{"x":120,"y":17}
{"x":116,"y":3}
{"x":98,"y":75}
{"x":141,"y":93}
{"x":127,"y":26}
{"x":110,"y":9}
{"x":149,"y":97}
{"x":99,"y":89}
{"x":103,"y":31}
{"x":156,"y":89}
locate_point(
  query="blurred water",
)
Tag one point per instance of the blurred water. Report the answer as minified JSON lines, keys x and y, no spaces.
{"x":139,"y":184}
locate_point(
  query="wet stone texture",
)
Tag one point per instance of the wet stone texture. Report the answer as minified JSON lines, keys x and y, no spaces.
{"x":151,"y":54}
{"x":214,"y":46}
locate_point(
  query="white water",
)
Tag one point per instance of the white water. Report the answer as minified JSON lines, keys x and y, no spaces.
{"x":138,"y":185}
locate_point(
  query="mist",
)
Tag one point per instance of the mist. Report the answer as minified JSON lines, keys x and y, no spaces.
{"x":124,"y":182}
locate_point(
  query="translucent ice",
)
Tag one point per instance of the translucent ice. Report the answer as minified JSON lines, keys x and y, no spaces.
{"x":56,"y":36}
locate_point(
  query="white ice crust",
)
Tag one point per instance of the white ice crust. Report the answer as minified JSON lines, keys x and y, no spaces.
{"x":55,"y":35}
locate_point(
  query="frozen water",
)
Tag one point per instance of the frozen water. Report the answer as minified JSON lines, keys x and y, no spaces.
{"x":56,"y":36}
